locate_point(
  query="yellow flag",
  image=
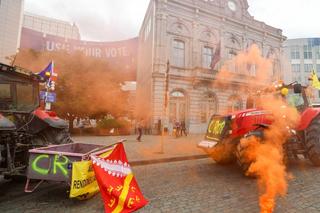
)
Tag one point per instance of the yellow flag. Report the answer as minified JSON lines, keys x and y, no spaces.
{"x":315,"y":81}
{"x":83,"y":184}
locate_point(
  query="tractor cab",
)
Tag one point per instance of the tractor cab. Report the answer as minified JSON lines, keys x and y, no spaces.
{"x":222,"y":140}
{"x":297,"y":97}
{"x":23,"y":124}
{"x":19,"y":90}
{"x":294,"y":95}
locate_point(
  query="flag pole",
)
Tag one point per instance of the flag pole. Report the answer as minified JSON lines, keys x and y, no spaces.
{"x":48,"y":104}
{"x":165,"y":107}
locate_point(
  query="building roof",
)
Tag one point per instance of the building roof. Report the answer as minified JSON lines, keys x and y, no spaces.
{"x":49,"y":18}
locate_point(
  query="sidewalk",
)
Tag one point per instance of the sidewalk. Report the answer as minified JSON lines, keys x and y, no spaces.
{"x":148,"y":151}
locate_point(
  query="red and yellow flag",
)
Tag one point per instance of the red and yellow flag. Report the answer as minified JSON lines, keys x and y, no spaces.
{"x":119,"y":189}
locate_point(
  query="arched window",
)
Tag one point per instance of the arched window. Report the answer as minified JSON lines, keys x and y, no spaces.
{"x":233,"y":47}
{"x":207,"y":54}
{"x":178,"y":53}
{"x":177,"y":94}
{"x":208,"y":107}
{"x":234,"y":103}
{"x":177,"y":107}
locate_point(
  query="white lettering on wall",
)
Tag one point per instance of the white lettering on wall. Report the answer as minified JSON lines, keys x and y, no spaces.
{"x":56,"y":46}
{"x":109,"y":52}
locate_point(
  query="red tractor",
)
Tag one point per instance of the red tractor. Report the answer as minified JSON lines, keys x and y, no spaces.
{"x":222,"y":140}
{"x":23,"y":123}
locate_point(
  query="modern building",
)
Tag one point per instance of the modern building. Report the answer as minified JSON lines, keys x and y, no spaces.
{"x":187,"y":34}
{"x":11,"y":14}
{"x":303,"y":55}
{"x":51,"y":26}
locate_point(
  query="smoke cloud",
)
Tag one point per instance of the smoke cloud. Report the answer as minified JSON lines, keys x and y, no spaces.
{"x":267,"y":155}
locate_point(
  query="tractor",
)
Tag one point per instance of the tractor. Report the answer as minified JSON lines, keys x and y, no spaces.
{"x":24,"y":124}
{"x":222,"y":139}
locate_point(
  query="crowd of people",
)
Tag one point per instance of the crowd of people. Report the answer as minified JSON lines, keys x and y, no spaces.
{"x":179,"y":128}
{"x":140,"y":128}
{"x":84,"y":123}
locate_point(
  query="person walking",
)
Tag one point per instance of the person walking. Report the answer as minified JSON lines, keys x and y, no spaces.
{"x":183,"y":128}
{"x":177,"y":125}
{"x":139,"y":127}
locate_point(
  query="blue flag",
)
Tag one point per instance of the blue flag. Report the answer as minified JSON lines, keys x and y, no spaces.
{"x":48,"y":72}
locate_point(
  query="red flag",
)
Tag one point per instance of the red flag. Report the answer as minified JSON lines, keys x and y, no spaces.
{"x":216,"y":57}
{"x":119,"y":189}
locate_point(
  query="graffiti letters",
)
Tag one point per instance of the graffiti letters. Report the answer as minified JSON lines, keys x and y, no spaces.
{"x":216,"y":127}
{"x":53,"y":164}
{"x":38,"y":169}
{"x":62,"y":165}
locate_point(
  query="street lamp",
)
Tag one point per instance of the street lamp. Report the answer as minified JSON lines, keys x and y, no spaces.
{"x":165,"y":107}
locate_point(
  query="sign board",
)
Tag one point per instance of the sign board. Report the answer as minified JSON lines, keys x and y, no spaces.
{"x":49,"y":97}
{"x":123,"y":53}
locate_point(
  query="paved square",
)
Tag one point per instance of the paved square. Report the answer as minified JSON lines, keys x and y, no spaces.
{"x":185,"y":186}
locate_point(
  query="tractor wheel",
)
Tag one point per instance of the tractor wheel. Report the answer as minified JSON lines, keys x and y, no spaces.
{"x":52,"y":136}
{"x":313,"y":141}
{"x":243,"y":155}
{"x":223,"y":153}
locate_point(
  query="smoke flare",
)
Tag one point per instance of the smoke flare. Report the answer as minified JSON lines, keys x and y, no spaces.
{"x":267,"y":156}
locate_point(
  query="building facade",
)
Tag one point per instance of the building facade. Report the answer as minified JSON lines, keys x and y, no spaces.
{"x":187,"y":34}
{"x":303,"y":56}
{"x":51,"y":26}
{"x":11,"y":14}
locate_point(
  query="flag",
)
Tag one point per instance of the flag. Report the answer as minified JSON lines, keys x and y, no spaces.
{"x":315,"y":80}
{"x":216,"y":57}
{"x":83,"y":183}
{"x":48,"y":73}
{"x":118,"y":187}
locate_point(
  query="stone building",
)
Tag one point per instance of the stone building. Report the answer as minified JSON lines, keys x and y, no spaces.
{"x":187,"y":34}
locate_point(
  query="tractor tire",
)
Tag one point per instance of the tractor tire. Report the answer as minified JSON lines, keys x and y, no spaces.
{"x":312,"y":141}
{"x":223,"y":153}
{"x":52,"y":136}
{"x":243,"y":160}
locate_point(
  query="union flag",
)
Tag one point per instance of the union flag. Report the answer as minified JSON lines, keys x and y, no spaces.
{"x":118,"y":187}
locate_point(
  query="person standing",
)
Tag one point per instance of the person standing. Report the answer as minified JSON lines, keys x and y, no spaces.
{"x":183,"y":128}
{"x":139,"y":127}
{"x":159,"y":127}
{"x":177,"y":124}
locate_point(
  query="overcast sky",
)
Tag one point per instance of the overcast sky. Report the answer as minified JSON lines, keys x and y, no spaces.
{"x":107,"y":20}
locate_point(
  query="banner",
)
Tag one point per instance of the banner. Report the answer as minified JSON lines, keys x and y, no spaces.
{"x":83,"y":184}
{"x":118,"y":187}
{"x":122,"y":53}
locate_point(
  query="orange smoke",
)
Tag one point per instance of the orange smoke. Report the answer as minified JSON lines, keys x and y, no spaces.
{"x":248,"y":67}
{"x":268,"y":156}
{"x":254,"y":72}
{"x":86,"y":86}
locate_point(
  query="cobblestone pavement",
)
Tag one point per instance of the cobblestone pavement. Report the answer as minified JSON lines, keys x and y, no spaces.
{"x":186,"y":186}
